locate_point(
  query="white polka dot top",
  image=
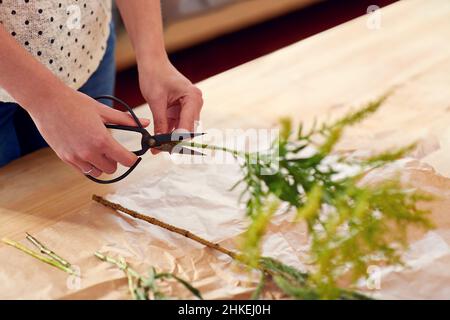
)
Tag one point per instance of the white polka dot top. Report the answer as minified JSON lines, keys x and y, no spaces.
{"x":67,"y":36}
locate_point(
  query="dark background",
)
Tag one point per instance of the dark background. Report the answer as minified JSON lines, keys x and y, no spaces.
{"x":207,"y":59}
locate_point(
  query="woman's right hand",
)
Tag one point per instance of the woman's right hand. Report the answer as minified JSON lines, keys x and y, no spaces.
{"x":73,"y":124}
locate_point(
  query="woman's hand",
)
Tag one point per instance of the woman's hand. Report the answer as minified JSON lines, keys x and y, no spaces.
{"x":175,"y":102}
{"x":71,"y":122}
{"x":73,"y":125}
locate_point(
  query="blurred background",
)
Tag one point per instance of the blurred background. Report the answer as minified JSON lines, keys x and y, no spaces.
{"x":206,"y":37}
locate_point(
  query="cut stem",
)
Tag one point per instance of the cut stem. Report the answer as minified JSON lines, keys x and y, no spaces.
{"x":38,"y":256}
{"x":43,"y":249}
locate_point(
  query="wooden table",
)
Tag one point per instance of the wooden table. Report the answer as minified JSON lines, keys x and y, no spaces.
{"x":321,"y":77}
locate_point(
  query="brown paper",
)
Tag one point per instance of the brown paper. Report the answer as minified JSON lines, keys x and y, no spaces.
{"x":197,"y":197}
{"x":203,"y":204}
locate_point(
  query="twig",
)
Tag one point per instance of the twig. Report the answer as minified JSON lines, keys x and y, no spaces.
{"x":38,"y":256}
{"x":43,"y":249}
{"x":120,"y":264}
{"x":164,"y":225}
{"x":130,"y":272}
{"x":142,"y":286}
{"x":169,"y":227}
{"x":265,"y":265}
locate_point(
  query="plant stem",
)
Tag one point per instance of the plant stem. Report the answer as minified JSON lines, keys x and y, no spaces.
{"x":259,"y":289}
{"x":38,"y":256}
{"x":140,"y":284}
{"x":171,"y":228}
{"x":43,"y":249}
{"x":213,"y":148}
{"x":345,"y":294}
{"x":164,"y":225}
{"x":121,"y":265}
{"x":129,"y":272}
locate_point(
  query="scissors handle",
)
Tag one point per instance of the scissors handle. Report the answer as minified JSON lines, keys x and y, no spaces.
{"x":139,"y":129}
{"x":143,"y":132}
{"x":123,"y":176}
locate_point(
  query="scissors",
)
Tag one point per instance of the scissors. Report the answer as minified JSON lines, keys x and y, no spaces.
{"x":167,"y":142}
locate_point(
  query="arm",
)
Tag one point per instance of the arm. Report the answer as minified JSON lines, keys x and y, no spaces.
{"x":17,"y":66}
{"x":71,"y":123}
{"x":175,"y":102}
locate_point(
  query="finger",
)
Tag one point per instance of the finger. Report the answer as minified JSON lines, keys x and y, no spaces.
{"x":118,"y":153}
{"x":159,"y":111}
{"x":173,"y":124}
{"x":112,"y":116}
{"x":173,"y":112}
{"x":103,"y":163}
{"x":155,"y":151}
{"x":85,"y":167}
{"x":145,"y":122}
{"x":173,"y":116}
{"x":190,"y":111}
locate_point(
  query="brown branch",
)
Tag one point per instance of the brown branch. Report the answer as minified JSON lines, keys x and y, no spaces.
{"x":164,"y":225}
{"x":180,"y":231}
{"x":265,"y":269}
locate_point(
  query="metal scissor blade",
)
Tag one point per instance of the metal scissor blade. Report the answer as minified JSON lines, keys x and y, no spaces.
{"x":197,"y":134}
{"x":161,"y":139}
{"x":186,"y":151}
{"x":175,"y":136}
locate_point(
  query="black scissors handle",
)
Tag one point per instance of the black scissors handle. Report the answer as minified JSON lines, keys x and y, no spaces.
{"x":139,"y":129}
{"x":123,"y":176}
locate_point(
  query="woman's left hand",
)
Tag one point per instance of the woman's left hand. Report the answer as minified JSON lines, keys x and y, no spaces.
{"x":174,"y":101}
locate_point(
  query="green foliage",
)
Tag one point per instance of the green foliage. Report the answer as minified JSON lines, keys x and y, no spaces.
{"x":363,"y":226}
{"x":146,"y":287}
{"x":350,"y":225}
{"x":290,"y":274}
{"x":295,"y":283}
{"x":259,"y":289}
{"x":253,"y":236}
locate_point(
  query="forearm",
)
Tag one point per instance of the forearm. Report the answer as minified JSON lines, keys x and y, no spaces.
{"x":28,"y":81}
{"x":175,"y":102}
{"x":143,"y":22}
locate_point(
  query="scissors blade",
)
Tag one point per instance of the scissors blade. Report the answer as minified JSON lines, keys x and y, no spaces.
{"x":175,"y":137}
{"x":175,"y":148}
{"x":186,"y":151}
